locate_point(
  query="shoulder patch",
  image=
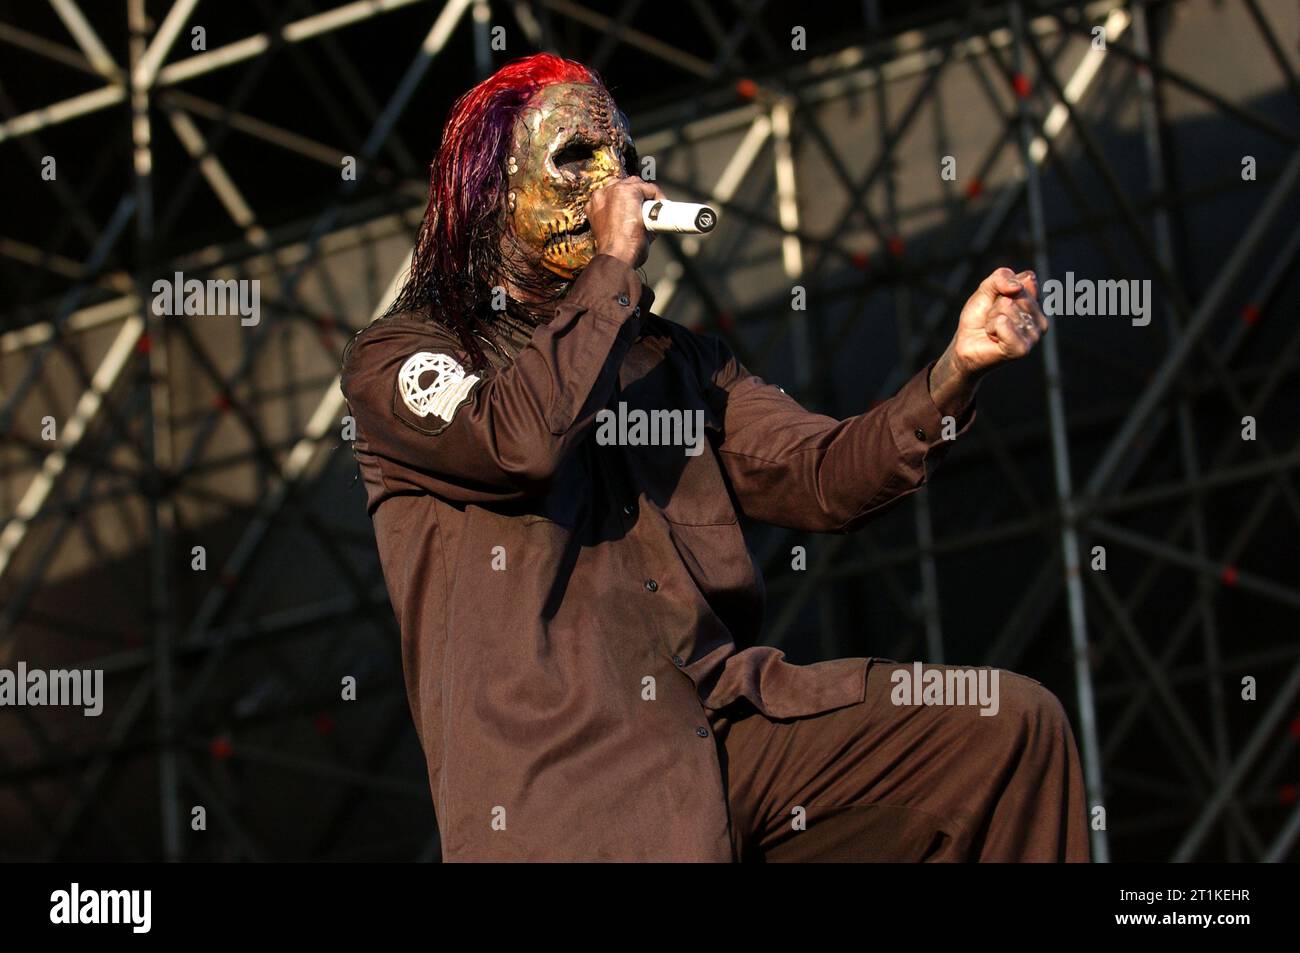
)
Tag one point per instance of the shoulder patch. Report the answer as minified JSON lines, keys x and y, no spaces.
{"x":430,"y":388}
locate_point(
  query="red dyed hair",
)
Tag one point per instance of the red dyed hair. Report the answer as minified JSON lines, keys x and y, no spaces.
{"x":457,"y":255}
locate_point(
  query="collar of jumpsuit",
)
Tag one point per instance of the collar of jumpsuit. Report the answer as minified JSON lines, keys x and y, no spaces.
{"x":570,"y":610}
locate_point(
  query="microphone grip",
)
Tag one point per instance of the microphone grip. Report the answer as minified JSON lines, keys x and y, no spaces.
{"x":660,"y":215}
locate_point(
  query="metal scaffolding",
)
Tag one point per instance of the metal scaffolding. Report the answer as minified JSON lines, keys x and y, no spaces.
{"x":194,"y":530}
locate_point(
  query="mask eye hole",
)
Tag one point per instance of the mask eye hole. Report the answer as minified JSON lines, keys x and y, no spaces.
{"x":630,"y":160}
{"x":574,"y":154}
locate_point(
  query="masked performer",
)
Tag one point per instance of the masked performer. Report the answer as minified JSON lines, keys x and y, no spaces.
{"x":570,"y":606}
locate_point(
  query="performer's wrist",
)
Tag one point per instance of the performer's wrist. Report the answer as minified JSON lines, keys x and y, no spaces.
{"x":952,"y":383}
{"x":624,"y":251}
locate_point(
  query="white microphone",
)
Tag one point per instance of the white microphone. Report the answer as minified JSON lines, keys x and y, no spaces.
{"x":660,"y":215}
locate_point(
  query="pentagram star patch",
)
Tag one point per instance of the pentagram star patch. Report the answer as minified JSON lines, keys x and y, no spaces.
{"x":430,"y":387}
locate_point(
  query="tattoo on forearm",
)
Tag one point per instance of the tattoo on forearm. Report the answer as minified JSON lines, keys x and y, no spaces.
{"x":951,"y":391}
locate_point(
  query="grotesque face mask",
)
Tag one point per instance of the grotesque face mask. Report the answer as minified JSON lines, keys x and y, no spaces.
{"x":567,"y":142}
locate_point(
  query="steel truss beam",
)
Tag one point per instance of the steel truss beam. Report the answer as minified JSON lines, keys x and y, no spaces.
{"x":1149,"y":489}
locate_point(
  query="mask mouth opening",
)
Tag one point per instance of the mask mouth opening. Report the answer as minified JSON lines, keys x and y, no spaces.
{"x":559,"y":241}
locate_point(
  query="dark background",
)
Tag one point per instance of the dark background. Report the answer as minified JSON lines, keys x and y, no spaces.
{"x":223,"y":684}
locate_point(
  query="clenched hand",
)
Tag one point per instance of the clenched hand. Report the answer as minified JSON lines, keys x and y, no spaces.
{"x":1000,"y":322}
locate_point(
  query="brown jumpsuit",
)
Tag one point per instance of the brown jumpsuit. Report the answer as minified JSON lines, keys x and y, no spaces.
{"x":569,"y":609}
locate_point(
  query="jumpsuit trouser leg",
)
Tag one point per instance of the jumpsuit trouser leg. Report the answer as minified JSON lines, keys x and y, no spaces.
{"x":879,"y":781}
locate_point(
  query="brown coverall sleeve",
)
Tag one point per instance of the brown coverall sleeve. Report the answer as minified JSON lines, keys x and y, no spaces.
{"x":805,"y":471}
{"x":508,"y":436}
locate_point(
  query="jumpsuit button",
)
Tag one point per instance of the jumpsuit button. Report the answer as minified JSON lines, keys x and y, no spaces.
{"x":636,"y":313}
{"x":920,"y":434}
{"x":629,"y":509}
{"x":651,"y":585}
{"x":677,"y":660}
{"x":702,"y":732}
{"x":624,"y":300}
